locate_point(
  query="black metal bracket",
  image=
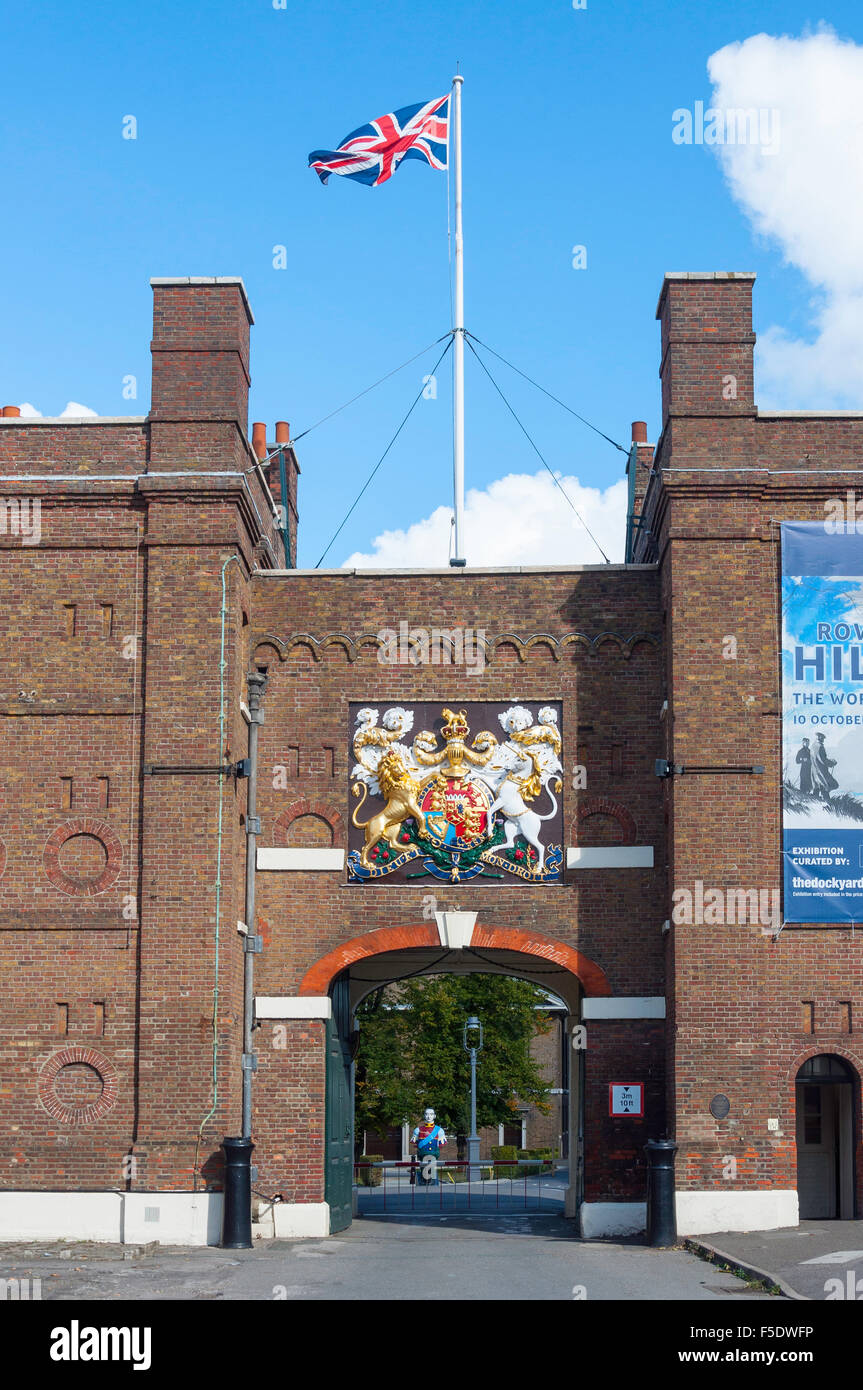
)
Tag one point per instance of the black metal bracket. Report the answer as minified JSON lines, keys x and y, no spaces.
{"x":663,"y":768}
{"x":240,"y":769}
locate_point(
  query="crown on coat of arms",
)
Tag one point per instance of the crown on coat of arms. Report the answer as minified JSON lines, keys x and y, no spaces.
{"x":456,"y":725}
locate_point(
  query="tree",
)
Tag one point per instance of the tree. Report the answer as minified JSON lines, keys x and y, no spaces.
{"x":411,"y":1052}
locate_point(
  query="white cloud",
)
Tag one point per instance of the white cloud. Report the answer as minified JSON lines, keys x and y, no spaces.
{"x":808,"y":198}
{"x":73,"y":409}
{"x":520,"y":519}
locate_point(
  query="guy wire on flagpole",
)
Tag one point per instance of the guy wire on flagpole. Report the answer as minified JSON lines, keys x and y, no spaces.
{"x":540,"y":456}
{"x":326,"y":162}
{"x":367,"y":389}
{"x":550,"y":394}
{"x":449,"y":338}
{"x":458,"y":336}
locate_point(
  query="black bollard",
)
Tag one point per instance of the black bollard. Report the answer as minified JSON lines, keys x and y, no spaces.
{"x":661,"y":1214}
{"x":237,"y":1211}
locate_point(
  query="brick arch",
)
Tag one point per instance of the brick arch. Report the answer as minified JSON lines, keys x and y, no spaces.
{"x":319,"y":977}
{"x":307,"y":807}
{"x":826,"y":1050}
{"x":855,"y":1064}
{"x":604,"y":806}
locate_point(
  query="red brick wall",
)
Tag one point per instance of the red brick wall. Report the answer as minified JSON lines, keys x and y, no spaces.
{"x":725,"y":480}
{"x":111,"y":637}
{"x":288,"y":1109}
{"x":78,"y":709}
{"x":612,"y":918}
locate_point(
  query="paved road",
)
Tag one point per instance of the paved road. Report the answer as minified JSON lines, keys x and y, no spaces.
{"x":809,"y":1258}
{"x":391,"y":1258}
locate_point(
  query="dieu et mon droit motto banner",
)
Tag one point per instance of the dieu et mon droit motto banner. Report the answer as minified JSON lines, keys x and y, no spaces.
{"x":822,"y":722}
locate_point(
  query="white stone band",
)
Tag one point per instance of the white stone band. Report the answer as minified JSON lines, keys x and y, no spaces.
{"x":293,"y":1006}
{"x":301,"y":860}
{"x":612,"y":857}
{"x":624,"y":1006}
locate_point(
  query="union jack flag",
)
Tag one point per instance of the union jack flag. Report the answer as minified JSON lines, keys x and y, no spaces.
{"x":373,"y":153}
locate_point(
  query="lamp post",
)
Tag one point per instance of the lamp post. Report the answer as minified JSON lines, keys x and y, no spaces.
{"x":472,"y":1037}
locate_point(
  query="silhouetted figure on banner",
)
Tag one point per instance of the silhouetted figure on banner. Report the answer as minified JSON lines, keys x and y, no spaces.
{"x":822,"y":778}
{"x":804,"y":761}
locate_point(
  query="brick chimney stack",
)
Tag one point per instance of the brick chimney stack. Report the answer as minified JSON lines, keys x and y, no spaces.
{"x":292,"y":472}
{"x":200,"y":398}
{"x":707,"y":344}
{"x":638,"y":484}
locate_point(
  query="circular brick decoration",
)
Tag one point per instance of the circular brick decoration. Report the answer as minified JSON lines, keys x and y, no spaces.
{"x":77,"y":1086}
{"x":82,"y":857}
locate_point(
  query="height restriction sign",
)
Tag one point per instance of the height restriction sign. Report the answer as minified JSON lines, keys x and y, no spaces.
{"x":626,"y":1100}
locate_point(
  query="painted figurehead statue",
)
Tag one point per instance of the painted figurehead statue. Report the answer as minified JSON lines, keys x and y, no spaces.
{"x":428,"y":1136}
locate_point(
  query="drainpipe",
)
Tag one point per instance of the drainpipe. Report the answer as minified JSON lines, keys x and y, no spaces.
{"x":252,"y":943}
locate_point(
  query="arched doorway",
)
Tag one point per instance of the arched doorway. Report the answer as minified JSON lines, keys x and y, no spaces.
{"x":390,"y":954}
{"x":825,"y":1138}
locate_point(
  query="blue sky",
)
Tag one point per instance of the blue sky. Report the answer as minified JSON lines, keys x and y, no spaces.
{"x":567,"y":125}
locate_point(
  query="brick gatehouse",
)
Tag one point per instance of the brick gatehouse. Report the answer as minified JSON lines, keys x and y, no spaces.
{"x":160,"y":578}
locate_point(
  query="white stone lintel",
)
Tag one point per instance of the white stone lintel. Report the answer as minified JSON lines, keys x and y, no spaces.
{"x":624,"y":1006}
{"x":610,"y":857}
{"x":293,"y":1006}
{"x":301,"y":860}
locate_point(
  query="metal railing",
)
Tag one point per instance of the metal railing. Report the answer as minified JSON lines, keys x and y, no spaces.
{"x":428,"y":1185}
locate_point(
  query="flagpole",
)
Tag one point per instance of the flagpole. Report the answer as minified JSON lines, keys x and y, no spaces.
{"x":458,"y":336}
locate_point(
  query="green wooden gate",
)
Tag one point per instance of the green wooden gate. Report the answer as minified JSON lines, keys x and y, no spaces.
{"x":340,"y":1119}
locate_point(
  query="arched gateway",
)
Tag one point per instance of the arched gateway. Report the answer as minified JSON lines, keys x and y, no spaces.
{"x":457,"y":944}
{"x":461,"y":938}
{"x":450,"y":943}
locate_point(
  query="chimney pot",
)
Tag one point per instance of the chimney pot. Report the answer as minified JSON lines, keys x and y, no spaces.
{"x":259,"y":439}
{"x":283,"y":432}
{"x":639,"y":431}
{"x":11,"y":410}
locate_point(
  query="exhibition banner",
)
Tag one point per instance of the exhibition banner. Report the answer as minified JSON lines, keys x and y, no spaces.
{"x":822,"y":721}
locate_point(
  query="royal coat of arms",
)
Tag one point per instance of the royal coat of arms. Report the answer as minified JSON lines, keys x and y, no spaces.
{"x":451,"y":804}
